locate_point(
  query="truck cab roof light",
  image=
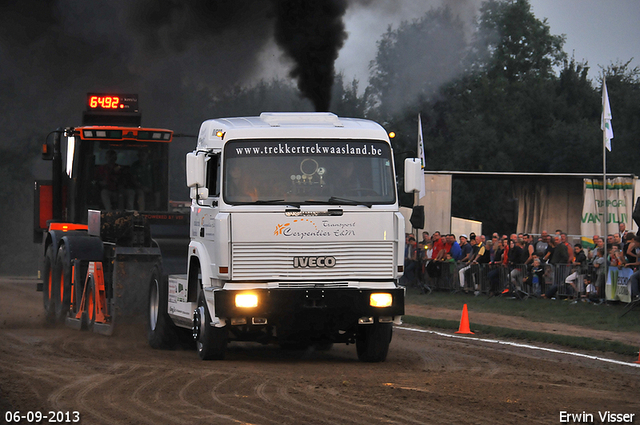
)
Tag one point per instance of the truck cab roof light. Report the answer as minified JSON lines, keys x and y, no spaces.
{"x":125,"y":134}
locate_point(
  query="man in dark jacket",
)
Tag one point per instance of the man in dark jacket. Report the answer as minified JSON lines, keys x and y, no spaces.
{"x":517,"y":257}
{"x":560,"y":253}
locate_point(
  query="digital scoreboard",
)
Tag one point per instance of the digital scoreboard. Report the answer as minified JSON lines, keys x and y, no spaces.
{"x":111,"y":109}
{"x":112,"y":102}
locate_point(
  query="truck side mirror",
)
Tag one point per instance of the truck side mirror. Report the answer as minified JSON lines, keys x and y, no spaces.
{"x":412,"y":174}
{"x":196,"y":175}
{"x":195,"y":170}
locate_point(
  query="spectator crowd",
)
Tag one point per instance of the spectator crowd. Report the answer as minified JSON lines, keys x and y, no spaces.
{"x":521,"y":265}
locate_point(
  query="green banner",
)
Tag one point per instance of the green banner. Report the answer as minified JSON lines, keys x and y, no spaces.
{"x":619,"y":207}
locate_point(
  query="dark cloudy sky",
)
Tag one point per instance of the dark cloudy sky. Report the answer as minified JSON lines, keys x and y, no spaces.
{"x":48,"y":47}
{"x":598,"y":31}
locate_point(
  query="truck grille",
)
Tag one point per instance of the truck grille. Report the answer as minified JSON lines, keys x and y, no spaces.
{"x":268,"y":261}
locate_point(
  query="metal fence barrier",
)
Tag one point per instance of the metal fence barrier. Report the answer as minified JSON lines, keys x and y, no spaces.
{"x":560,"y":280}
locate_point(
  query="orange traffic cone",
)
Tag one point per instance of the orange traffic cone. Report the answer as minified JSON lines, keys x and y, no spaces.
{"x":638,"y":361}
{"x":464,"y":322}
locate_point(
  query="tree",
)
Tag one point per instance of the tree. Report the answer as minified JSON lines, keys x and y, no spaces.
{"x":413,"y":61}
{"x":497,"y":115}
{"x":512,"y":43}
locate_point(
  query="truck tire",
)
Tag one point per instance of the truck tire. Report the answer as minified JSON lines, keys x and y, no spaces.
{"x":211,"y":342}
{"x":161,"y":332}
{"x":62,"y":291}
{"x":372,"y":342}
{"x":47,"y":287}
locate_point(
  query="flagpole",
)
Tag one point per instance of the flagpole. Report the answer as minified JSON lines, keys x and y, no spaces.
{"x":417,"y":193}
{"x":420,"y":151}
{"x":604,"y":188}
{"x":607,"y":135}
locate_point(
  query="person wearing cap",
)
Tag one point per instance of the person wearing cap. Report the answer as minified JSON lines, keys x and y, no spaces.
{"x":466,"y":248}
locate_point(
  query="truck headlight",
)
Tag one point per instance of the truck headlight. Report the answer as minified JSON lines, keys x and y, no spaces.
{"x":246,"y":300}
{"x":380,"y":300}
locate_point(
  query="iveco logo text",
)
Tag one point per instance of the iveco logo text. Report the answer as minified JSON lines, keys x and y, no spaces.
{"x":302,"y":262}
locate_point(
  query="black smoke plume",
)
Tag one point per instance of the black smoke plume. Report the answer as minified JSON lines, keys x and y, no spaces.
{"x":311,"y":33}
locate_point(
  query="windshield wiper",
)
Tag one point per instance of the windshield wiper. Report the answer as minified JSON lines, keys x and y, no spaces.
{"x":275,"y":202}
{"x":334,"y":200}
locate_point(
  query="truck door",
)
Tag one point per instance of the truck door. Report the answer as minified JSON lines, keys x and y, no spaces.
{"x":204,"y":229}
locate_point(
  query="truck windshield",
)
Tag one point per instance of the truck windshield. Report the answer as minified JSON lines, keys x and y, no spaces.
{"x":308,"y":171}
{"x":121,"y":175}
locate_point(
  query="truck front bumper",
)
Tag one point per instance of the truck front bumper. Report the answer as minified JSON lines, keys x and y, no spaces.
{"x":323,"y":310}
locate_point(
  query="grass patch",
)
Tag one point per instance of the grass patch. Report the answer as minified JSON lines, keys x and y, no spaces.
{"x":581,"y":343}
{"x":602,"y":317}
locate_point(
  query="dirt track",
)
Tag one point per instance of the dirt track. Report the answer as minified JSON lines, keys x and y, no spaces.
{"x":426,"y":379}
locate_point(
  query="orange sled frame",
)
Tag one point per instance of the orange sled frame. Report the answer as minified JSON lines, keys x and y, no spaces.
{"x":93,"y":313}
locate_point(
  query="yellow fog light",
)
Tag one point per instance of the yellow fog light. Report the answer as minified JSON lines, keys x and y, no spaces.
{"x":380,"y":300}
{"x":246,"y":300}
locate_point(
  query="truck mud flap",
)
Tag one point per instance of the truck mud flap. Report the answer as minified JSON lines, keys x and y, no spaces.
{"x":132,"y":268}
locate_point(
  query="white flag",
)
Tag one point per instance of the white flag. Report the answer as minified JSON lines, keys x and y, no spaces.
{"x":423,"y":190}
{"x":605,"y":119}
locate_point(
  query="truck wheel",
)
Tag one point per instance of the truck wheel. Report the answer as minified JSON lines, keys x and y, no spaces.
{"x":211,"y":342}
{"x":62,"y":292}
{"x":372,"y":342}
{"x":160,"y":329}
{"x":47,"y":287}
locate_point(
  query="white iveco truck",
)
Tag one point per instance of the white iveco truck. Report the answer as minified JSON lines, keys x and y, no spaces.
{"x":296,"y":238}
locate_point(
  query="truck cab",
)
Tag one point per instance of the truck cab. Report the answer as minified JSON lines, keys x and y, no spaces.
{"x":296,"y":237}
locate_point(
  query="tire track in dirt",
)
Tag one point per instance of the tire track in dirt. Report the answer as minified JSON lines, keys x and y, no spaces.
{"x":239,"y":396}
{"x":369,"y":413}
{"x":426,"y":379}
{"x":85,"y":400}
{"x":205,"y":402}
{"x":148,"y":394}
{"x":329,"y":414}
{"x":245,"y":395}
{"x":261,"y":390}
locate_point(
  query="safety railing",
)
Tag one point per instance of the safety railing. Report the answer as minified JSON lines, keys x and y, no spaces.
{"x":560,"y":280}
